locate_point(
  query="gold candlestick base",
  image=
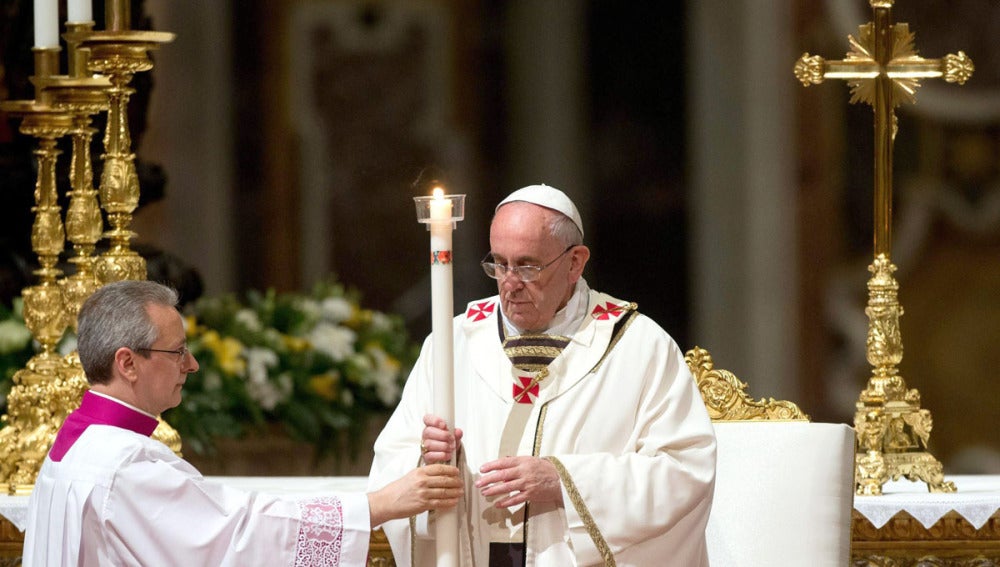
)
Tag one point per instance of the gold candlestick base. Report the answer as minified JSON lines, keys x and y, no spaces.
{"x":37,"y":405}
{"x":892,"y":430}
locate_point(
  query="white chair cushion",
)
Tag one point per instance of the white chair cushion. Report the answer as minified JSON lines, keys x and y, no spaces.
{"x":784,"y":492}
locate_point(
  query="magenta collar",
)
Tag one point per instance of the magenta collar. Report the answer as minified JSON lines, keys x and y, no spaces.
{"x":98,"y":410}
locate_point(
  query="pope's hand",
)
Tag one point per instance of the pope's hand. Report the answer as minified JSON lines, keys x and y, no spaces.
{"x":522,"y":479}
{"x":434,"y":487}
{"x":437,"y":444}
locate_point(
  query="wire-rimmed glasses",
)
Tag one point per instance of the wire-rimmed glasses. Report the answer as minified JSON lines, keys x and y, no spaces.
{"x":524,"y":273}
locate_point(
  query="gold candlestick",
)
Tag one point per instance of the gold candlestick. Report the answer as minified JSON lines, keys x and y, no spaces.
{"x":892,"y":430}
{"x":34,"y":413}
{"x":119,"y":53}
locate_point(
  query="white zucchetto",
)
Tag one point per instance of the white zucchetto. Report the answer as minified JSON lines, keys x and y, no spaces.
{"x":548,"y":197}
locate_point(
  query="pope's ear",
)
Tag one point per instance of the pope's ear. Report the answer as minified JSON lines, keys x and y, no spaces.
{"x":124,"y":364}
{"x":579,"y":256}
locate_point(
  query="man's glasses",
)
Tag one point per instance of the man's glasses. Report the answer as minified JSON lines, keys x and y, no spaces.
{"x":180,"y":353}
{"x":524,"y":273}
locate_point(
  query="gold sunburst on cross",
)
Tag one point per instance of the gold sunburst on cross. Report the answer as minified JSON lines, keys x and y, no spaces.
{"x":884,"y":71}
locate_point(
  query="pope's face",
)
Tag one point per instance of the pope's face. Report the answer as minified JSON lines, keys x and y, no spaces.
{"x":161,"y":375}
{"x":519,"y":236}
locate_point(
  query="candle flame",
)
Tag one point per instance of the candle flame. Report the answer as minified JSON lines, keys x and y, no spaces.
{"x":438,"y":193}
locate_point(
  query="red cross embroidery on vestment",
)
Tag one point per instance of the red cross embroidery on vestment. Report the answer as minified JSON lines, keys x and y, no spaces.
{"x":480,"y":311}
{"x":608,"y":311}
{"x":527,"y":391}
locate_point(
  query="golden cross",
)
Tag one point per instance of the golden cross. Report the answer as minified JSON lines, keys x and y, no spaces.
{"x":883,"y":70}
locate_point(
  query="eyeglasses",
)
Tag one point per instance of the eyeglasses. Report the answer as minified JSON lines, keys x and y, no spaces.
{"x":524,"y":273}
{"x":180,"y":353}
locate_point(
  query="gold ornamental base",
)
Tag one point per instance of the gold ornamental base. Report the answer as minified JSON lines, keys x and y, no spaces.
{"x":905,"y":433}
{"x":42,"y":397}
{"x":892,"y":431}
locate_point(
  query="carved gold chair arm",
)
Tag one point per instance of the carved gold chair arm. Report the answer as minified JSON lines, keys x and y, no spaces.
{"x":726,"y":398}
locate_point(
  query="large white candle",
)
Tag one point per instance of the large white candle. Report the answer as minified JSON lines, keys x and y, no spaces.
{"x":442,"y":304}
{"x":46,"y":23}
{"x":442,"y":313}
{"x":80,"y":11}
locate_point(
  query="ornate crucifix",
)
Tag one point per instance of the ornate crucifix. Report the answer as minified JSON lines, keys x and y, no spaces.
{"x":883,"y":70}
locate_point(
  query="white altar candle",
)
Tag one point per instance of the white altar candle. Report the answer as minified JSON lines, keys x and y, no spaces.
{"x":442,"y":314}
{"x":442,"y":305}
{"x":80,"y":11}
{"x":46,"y":23}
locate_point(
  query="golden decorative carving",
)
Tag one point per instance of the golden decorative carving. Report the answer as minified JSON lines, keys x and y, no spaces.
{"x":883,"y":70}
{"x":726,"y":398}
{"x":809,"y":69}
{"x":958,"y":68}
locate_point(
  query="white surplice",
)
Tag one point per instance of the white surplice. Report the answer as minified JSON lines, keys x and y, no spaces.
{"x":619,"y":414}
{"x":120,"y":498}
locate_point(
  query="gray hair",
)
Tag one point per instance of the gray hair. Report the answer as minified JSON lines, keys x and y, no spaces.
{"x":565,"y":230}
{"x":115,"y":316}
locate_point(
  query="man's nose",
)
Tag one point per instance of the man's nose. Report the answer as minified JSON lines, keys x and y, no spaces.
{"x":510,"y":282}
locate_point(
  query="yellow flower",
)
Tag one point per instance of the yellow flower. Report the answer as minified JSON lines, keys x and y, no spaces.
{"x":359,"y":318}
{"x":325,"y":385}
{"x":295,"y":344}
{"x":228,"y":353}
{"x":191,"y":326}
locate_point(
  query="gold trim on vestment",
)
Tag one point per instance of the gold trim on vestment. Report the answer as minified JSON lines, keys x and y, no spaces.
{"x":538,"y":429}
{"x":531,"y":368}
{"x":532,"y":350}
{"x":583,"y":512}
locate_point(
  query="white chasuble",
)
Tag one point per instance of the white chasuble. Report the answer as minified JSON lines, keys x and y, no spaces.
{"x":619,"y":415}
{"x":120,"y":498}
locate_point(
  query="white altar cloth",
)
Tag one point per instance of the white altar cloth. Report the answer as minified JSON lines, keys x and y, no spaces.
{"x":15,"y":508}
{"x":977,"y":498}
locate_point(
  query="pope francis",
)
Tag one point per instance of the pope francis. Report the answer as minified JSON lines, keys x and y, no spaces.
{"x":579,"y":430}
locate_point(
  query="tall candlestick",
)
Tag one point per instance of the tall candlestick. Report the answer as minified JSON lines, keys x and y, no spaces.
{"x":80,"y":11}
{"x":440,"y":213}
{"x":46,"y":23}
